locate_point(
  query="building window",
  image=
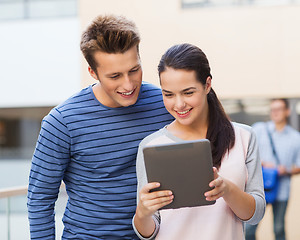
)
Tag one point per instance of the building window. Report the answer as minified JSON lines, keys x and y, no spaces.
{"x":221,"y":3}
{"x":19,"y":129}
{"x":249,"y":111}
{"x":29,"y":9}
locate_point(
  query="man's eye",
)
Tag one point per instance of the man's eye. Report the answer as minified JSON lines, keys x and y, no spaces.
{"x":168,"y":94}
{"x":114,"y":76}
{"x":188,"y":93}
{"x":134,"y":70}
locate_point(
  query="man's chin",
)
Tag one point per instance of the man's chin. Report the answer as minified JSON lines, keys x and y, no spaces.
{"x":128,"y":102}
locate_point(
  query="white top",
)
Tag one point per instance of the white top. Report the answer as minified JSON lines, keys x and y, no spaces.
{"x":241,"y":165}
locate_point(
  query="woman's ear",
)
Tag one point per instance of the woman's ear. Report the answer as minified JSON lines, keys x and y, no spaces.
{"x":208,"y":85}
{"x":92,"y":73}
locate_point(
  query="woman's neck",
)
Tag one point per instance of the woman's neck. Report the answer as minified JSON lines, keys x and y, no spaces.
{"x":188,"y":132}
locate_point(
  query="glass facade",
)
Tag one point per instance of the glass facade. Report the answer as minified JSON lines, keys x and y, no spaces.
{"x":221,"y":3}
{"x":28,"y":9}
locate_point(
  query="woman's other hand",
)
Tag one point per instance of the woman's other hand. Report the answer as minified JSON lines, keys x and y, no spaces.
{"x":218,"y":186}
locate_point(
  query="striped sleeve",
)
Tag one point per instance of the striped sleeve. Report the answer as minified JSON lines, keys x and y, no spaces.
{"x":49,"y":162}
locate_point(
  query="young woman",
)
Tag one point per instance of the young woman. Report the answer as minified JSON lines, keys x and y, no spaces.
{"x":237,"y":187}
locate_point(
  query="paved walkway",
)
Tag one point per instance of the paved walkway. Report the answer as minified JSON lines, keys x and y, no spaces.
{"x":265,"y":229}
{"x":19,"y":222}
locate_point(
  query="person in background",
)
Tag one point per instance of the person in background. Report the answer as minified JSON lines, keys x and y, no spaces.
{"x":90,"y":141}
{"x":286,"y":141}
{"x":237,"y":187}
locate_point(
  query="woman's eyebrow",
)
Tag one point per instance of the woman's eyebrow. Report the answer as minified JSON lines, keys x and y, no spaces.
{"x":188,"y":89}
{"x":184,"y":90}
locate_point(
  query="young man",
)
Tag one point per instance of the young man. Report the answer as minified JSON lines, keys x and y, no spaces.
{"x":90,"y":141}
{"x":286,"y":141}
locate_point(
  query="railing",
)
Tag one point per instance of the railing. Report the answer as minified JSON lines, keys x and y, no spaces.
{"x":8,"y":193}
{"x":11,"y":192}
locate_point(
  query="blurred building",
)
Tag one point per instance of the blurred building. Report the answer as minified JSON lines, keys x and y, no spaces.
{"x":40,"y":67}
{"x":252,"y":46}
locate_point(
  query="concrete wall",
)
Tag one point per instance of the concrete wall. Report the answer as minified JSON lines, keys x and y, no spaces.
{"x":39,"y":61}
{"x":253,"y":50}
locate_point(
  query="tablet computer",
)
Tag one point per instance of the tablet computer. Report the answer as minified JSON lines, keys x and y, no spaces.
{"x":185,"y":168}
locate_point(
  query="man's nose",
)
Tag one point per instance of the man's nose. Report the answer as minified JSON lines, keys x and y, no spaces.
{"x":127,"y":83}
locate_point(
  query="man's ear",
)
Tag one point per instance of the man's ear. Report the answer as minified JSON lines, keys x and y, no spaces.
{"x":208,"y":85}
{"x":288,"y":112}
{"x":92,"y":73}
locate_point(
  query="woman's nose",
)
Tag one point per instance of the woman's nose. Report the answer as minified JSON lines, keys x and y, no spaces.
{"x":180,"y":103}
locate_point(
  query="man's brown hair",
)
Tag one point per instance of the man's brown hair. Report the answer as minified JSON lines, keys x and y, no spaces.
{"x":109,"y":34}
{"x":284,"y":100}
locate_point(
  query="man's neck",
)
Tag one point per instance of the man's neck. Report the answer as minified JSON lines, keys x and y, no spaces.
{"x":280,"y":126}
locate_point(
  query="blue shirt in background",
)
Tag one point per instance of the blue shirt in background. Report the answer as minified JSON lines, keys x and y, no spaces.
{"x":287,"y":145}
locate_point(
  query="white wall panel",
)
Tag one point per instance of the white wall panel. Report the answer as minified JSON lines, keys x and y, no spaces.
{"x":39,"y":61}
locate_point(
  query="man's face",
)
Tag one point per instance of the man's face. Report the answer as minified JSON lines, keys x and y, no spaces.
{"x":278,"y":112}
{"x":120,"y":78}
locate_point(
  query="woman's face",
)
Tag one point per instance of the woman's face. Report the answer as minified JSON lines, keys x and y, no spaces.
{"x":184,"y":96}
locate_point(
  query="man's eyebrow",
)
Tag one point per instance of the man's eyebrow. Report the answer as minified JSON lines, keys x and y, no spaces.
{"x":117,"y":73}
{"x":166,"y":91}
{"x":112,"y":74}
{"x":136,"y":66}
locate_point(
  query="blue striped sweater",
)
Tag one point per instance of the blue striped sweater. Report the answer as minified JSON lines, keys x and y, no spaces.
{"x":92,"y":148}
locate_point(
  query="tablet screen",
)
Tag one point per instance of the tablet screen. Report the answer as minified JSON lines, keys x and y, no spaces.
{"x":185,"y":168}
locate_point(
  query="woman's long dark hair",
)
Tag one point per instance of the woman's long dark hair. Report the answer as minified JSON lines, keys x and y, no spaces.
{"x":220,"y":131}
